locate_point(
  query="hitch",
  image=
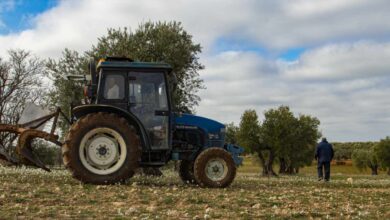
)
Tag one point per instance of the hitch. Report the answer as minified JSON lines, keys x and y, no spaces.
{"x":27,"y":132}
{"x":235,"y":151}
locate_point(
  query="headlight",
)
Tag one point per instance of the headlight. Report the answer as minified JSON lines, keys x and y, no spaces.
{"x":213,"y":136}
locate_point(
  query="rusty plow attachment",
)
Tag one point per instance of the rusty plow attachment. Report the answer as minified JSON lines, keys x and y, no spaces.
{"x":27,"y":132}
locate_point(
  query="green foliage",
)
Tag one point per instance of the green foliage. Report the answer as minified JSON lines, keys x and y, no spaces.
{"x":159,"y":42}
{"x":231,"y":133}
{"x":277,"y":129}
{"x":293,"y":139}
{"x":249,"y":132}
{"x":303,"y":142}
{"x":382,"y":152}
{"x":343,"y":151}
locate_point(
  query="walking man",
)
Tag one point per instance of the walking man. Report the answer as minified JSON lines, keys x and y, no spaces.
{"x":324,"y":155}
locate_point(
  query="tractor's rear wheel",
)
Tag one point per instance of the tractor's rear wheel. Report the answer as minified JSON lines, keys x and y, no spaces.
{"x":102,"y":148}
{"x":186,"y":171}
{"x":215,"y":168}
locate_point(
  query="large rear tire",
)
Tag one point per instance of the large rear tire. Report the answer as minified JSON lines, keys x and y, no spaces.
{"x":215,"y":168}
{"x":102,"y":148}
{"x":186,"y":171}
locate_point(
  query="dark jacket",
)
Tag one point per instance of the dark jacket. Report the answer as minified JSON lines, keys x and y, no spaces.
{"x":324,"y":152}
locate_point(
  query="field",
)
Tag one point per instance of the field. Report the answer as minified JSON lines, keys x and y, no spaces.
{"x":33,"y":193}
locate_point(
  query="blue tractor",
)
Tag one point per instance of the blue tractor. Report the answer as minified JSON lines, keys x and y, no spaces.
{"x":128,"y":122}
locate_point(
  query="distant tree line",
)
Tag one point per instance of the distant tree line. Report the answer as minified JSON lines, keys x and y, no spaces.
{"x":365,"y":155}
{"x":343,"y":150}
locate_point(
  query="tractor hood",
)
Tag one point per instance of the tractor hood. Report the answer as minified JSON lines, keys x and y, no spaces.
{"x":207,"y":125}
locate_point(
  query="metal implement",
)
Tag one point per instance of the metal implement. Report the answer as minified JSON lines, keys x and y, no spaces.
{"x":28,"y":131}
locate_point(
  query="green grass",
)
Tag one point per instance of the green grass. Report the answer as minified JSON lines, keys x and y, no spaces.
{"x":33,"y":193}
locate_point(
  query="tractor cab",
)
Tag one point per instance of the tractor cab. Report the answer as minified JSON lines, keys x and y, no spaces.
{"x":138,"y":88}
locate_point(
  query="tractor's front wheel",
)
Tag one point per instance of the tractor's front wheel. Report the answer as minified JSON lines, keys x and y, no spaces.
{"x":214,"y":167}
{"x":101,"y":148}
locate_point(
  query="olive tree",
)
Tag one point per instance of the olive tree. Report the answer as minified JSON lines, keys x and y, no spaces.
{"x":366,"y":158}
{"x":300,"y":145}
{"x":20,"y":82}
{"x":343,"y":151}
{"x":277,"y":132}
{"x":291,"y":139}
{"x":231,"y":133}
{"x":249,"y":137}
{"x":382,"y":152}
{"x":159,"y":42}
{"x":280,"y":137}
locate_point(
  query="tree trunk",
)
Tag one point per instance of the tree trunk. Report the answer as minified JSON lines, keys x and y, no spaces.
{"x":388,"y":171}
{"x":270,"y":164}
{"x":282,"y":167}
{"x":264,"y":171}
{"x":374,"y":170}
{"x":290,"y":170}
{"x":296,"y":170}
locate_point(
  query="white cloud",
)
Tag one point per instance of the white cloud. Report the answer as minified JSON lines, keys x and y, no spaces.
{"x":343,"y":61}
{"x":343,"y":79}
{"x":276,"y":25}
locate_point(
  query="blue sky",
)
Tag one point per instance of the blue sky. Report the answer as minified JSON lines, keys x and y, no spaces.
{"x":224,"y":44}
{"x":325,"y":58}
{"x":16,"y":15}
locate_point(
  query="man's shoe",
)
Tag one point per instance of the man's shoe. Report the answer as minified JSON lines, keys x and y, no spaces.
{"x":319,"y":179}
{"x":326,"y":180}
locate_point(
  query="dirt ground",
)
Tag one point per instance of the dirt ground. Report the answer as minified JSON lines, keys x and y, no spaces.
{"x":34,"y":193}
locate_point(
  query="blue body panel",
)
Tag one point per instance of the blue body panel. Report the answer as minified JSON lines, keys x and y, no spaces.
{"x":207,"y":125}
{"x":214,"y":131}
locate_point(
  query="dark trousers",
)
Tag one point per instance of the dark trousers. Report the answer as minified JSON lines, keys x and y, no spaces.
{"x":323,"y":166}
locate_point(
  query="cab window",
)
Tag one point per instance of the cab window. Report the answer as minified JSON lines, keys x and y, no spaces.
{"x":114,"y":87}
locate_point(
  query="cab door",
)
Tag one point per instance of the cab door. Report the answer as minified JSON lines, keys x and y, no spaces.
{"x":147,"y":98}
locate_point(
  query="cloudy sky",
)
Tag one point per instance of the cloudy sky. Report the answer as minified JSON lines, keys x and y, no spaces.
{"x":329,"y":59}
